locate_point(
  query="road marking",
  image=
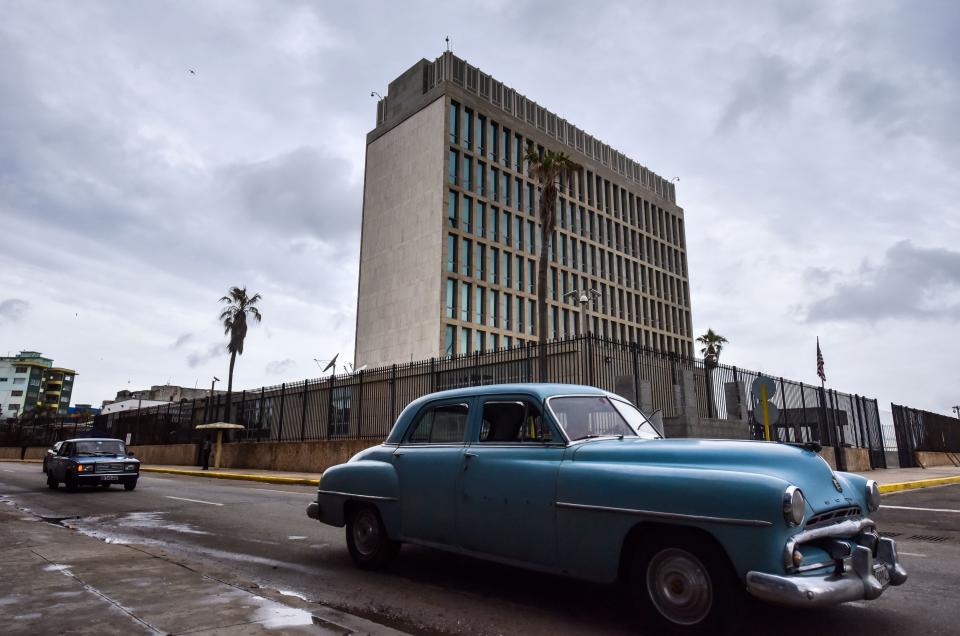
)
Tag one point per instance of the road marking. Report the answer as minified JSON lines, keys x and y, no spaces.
{"x":209,"y":503}
{"x":921,"y":509}
{"x":899,"y":552}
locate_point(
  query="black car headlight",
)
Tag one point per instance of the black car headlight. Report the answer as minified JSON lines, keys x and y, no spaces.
{"x":873,"y":495}
{"x":130,"y":467}
{"x":793,"y":506}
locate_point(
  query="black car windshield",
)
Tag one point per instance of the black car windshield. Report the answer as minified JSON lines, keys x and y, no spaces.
{"x":586,"y":416}
{"x":100,"y":447}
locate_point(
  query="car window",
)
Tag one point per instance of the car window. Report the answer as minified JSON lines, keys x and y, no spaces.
{"x":514,"y":421}
{"x":445,"y":424}
{"x":587,"y":416}
{"x":66,"y":449}
{"x":101,"y":447}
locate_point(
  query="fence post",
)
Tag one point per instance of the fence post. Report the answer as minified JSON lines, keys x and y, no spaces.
{"x":260,"y":415}
{"x":330,"y":406}
{"x":590,"y":360}
{"x":283,"y":395}
{"x":529,"y":371}
{"x":636,"y":373}
{"x":303,"y":412}
{"x":433,"y":377}
{"x":803,"y":411}
{"x":359,"y":405}
{"x":393,"y":394}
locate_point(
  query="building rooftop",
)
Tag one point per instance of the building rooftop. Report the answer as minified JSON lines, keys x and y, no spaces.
{"x":452,"y":69}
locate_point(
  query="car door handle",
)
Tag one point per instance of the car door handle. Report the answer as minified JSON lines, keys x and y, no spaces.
{"x":469,"y":454}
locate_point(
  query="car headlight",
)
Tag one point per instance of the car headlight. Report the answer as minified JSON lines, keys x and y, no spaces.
{"x":793,"y":506}
{"x":83,"y":467}
{"x":873,"y":495}
{"x":131,"y":467}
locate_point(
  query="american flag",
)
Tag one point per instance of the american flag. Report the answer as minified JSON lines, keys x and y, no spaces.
{"x":823,"y":376}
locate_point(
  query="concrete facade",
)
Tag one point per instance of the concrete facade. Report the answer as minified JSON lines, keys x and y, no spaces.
{"x":29,"y":381}
{"x":450,"y":234}
{"x":398,"y":300}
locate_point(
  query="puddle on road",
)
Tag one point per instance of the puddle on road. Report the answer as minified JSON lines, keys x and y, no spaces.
{"x":273,"y":615}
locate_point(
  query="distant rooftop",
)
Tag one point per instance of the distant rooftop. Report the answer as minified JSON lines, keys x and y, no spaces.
{"x":450,"y":68}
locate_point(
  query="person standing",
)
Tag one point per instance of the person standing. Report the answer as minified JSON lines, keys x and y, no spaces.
{"x":205,"y":450}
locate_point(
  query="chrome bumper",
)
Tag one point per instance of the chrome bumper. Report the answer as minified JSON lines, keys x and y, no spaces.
{"x":864,"y":579}
{"x":313,"y":510}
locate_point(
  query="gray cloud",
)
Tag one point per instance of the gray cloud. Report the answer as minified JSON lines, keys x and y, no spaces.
{"x":910,"y":282}
{"x":280,"y":367}
{"x":182,"y":340}
{"x":13,"y":309}
{"x":200,"y":357}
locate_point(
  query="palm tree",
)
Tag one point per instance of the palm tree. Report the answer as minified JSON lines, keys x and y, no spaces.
{"x":546,"y":168}
{"x":234,"y":318}
{"x":712,"y":346}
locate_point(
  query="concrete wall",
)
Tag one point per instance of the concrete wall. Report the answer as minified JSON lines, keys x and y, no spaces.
{"x":858,"y":459}
{"x":927,"y":459}
{"x":828,"y":454}
{"x":306,"y":457}
{"x":704,"y":428}
{"x":402,"y":243}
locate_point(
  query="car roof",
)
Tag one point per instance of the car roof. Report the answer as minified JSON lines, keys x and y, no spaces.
{"x":541,"y":390}
{"x":92,"y":439}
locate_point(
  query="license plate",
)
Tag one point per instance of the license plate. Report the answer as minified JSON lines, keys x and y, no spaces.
{"x":109,"y":477}
{"x":883,"y":575}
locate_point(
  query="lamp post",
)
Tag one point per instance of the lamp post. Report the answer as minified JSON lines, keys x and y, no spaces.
{"x":584,"y":298}
{"x":956,"y":410}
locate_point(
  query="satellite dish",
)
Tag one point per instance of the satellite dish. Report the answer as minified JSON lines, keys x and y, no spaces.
{"x":358,"y":370}
{"x":331,"y":364}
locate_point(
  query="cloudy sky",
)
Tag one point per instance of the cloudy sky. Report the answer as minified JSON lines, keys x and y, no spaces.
{"x":817,"y":146}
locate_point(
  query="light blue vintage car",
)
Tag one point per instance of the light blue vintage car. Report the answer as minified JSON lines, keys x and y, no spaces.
{"x":576,"y":481}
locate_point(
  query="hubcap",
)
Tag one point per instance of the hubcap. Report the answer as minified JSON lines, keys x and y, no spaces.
{"x":679,"y":586}
{"x":366,"y":532}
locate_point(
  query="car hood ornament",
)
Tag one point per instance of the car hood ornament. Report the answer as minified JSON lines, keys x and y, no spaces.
{"x":836,"y":483}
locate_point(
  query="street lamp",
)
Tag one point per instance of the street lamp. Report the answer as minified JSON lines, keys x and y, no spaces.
{"x":583,"y":297}
{"x":956,"y":410}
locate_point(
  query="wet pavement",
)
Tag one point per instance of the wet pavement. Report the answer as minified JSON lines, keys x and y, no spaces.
{"x":256,"y":539}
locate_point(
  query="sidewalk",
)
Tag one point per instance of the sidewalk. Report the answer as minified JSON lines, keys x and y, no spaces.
{"x":246,"y":474}
{"x":63,"y":582}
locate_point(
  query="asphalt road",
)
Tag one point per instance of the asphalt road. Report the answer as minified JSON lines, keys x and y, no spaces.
{"x":258,"y":534}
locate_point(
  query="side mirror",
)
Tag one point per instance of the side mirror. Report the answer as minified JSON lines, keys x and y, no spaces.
{"x":130,"y":454}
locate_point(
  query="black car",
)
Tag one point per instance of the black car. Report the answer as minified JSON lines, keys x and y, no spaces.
{"x":51,"y":452}
{"x":92,"y":462}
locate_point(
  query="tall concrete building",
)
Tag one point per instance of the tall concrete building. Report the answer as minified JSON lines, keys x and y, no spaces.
{"x":450,"y":236}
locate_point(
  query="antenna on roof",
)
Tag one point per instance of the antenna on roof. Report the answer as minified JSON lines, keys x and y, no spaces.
{"x":447,"y":40}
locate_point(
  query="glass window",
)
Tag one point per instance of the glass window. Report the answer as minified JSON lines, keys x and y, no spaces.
{"x":495,"y":184}
{"x":481,"y":181}
{"x":495,"y":141}
{"x":454,"y":121}
{"x":464,"y":341}
{"x":505,"y":228}
{"x":518,"y":192}
{"x":478,"y":304}
{"x":530,"y":202}
{"x":467,"y":214}
{"x":450,"y":341}
{"x":451,"y":253}
{"x":452,"y":167}
{"x":451,"y":298}
{"x":479,"y":341}
{"x":464,"y":301}
{"x":467,"y":171}
{"x":481,"y":217}
{"x":493,"y":273}
{"x":452,"y":199}
{"x":467,"y":127}
{"x":531,"y":277}
{"x":506,"y":147}
{"x":507,"y":259}
{"x":518,"y":421}
{"x":445,"y":424}
{"x":531,"y":316}
{"x":583,"y":417}
{"x":493,"y":225}
{"x":517,"y":152}
{"x":505,"y":186}
{"x":481,"y":259}
{"x":517,"y":232}
{"x":466,"y":256}
{"x":519,"y":271}
{"x":520,"y":322}
{"x":507,"y":315}
{"x":494,"y":307}
{"x":531,"y":241}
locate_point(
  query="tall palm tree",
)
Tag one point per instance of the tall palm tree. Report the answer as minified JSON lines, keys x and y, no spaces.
{"x":546,"y":168}
{"x":234,"y":318}
{"x":712,"y":344}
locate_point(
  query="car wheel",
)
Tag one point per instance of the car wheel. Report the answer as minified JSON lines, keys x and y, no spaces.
{"x":367,"y":540}
{"x":52,"y":483}
{"x":130,"y":485}
{"x":70,"y":482}
{"x":684,"y":583}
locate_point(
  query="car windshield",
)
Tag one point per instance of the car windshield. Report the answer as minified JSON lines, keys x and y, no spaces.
{"x":101,"y":447}
{"x":636,"y":419}
{"x":587,"y":416}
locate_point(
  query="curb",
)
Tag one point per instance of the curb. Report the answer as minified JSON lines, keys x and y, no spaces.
{"x":267,"y":479}
{"x":919,"y":483}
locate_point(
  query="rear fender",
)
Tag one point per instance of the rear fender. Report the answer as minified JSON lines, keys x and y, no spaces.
{"x":360,"y":482}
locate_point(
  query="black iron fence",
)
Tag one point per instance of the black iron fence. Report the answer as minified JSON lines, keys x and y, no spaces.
{"x":365,"y":404}
{"x":918,"y":430}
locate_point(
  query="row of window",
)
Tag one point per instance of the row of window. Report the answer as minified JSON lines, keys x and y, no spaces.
{"x":585,"y":223}
{"x":482,"y":140}
{"x":463,"y":340}
{"x":471,"y":302}
{"x":469,"y":256}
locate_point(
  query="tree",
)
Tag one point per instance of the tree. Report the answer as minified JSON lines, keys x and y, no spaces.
{"x":234,"y":318}
{"x":712,"y":345}
{"x":546,"y":168}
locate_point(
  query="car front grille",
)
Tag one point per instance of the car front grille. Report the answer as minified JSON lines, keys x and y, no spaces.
{"x":108,"y":468}
{"x":831,"y":516}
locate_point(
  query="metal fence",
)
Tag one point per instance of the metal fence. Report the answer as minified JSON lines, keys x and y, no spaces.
{"x":918,"y":430}
{"x":365,"y":404}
